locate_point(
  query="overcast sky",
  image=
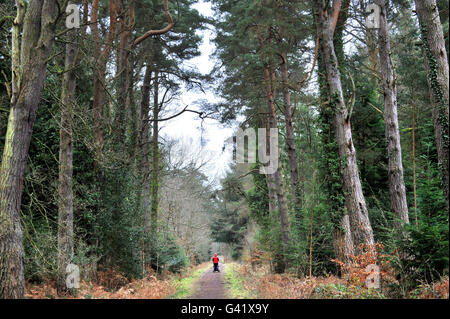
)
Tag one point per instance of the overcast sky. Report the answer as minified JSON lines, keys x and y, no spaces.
{"x":187,"y":127}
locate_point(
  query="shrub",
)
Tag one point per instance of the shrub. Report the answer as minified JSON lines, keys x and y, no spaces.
{"x":356,"y":271}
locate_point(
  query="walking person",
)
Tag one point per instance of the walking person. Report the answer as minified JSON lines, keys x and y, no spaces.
{"x":215,"y":261}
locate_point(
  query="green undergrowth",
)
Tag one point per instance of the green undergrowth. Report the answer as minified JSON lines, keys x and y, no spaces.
{"x":235,"y":283}
{"x":340,"y":291}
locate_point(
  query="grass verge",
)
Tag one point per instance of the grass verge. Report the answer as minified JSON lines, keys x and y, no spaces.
{"x":184,"y":285}
{"x":235,"y":283}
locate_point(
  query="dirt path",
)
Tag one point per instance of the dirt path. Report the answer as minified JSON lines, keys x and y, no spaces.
{"x":210,"y":285}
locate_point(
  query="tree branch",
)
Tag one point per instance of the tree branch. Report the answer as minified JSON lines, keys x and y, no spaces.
{"x":161,"y":31}
{"x":335,"y":14}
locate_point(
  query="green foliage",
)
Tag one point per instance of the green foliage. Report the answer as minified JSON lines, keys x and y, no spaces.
{"x":229,"y":223}
{"x":185,"y":285}
{"x":235,"y":282}
{"x":108,"y":219}
{"x":269,"y":233}
{"x":427,"y":247}
{"x":40,"y":249}
{"x":169,"y":255}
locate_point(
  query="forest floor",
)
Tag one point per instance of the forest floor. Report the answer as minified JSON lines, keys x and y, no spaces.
{"x":246,"y":282}
{"x":235,"y":281}
{"x":111,"y":284}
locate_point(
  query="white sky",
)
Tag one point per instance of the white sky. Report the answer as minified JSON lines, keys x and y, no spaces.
{"x":187,"y":127}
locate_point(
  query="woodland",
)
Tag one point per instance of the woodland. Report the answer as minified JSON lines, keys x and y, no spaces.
{"x":87,"y":178}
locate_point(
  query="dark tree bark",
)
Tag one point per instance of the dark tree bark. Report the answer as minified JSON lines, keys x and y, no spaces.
{"x":37,"y":42}
{"x":145,"y":145}
{"x":290,"y":137}
{"x":397,"y":188}
{"x":275,"y":180}
{"x":155,"y":158}
{"x":361,"y":229}
{"x":123,"y":74}
{"x":102,"y":54}
{"x":131,"y":136}
{"x":436,"y":64}
{"x":144,"y":142}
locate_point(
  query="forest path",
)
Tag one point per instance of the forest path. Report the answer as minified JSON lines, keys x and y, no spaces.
{"x":210,"y":285}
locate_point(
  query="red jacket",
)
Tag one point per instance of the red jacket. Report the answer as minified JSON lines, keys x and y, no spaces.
{"x":215,"y":259}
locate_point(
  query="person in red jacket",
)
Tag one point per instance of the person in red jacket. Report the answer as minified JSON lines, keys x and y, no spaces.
{"x":215,"y":261}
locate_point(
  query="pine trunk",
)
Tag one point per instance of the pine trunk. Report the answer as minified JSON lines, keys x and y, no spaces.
{"x":145,"y":147}
{"x":436,"y":64}
{"x":102,"y":55}
{"x":290,"y":138}
{"x":343,"y":242}
{"x":144,"y":143}
{"x":342,"y":238}
{"x":65,"y":191}
{"x":397,"y":188}
{"x":155,"y":162}
{"x":276,"y":179}
{"x":361,"y":229}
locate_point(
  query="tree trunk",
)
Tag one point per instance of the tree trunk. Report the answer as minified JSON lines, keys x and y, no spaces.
{"x":290,"y":138}
{"x":37,"y":42}
{"x":280,"y":260}
{"x":413,"y":146}
{"x":342,"y":238}
{"x":343,"y":242}
{"x":65,"y":191}
{"x":124,"y":74}
{"x":436,"y":64}
{"x":155,"y":162}
{"x":131,"y":135}
{"x":397,"y":189}
{"x":276,"y":179}
{"x":144,"y":142}
{"x":102,"y":55}
{"x":361,"y":229}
